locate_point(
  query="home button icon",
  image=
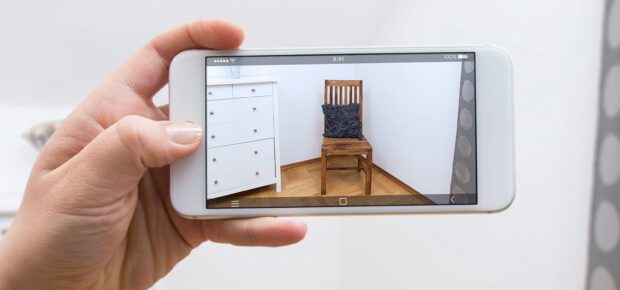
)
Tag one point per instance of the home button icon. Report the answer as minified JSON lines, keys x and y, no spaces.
{"x":342,"y":201}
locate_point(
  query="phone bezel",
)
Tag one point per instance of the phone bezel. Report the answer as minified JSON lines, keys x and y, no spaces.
{"x":494,"y":126}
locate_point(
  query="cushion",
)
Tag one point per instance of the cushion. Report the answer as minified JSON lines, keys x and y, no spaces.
{"x":342,"y":121}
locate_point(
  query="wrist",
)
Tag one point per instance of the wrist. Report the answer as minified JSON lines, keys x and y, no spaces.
{"x":25,"y":264}
{"x":7,"y":277}
{"x":16,"y":266}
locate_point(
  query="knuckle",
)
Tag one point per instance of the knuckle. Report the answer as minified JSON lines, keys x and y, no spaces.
{"x":251,"y":235}
{"x":128,"y":133}
{"x":128,"y":130}
{"x":143,"y":138}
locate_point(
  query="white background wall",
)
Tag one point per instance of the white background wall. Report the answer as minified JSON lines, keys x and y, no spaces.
{"x":410,"y":113}
{"x":54,"y":52}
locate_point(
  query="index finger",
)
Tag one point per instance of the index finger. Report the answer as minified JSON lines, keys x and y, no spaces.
{"x":147,"y":71}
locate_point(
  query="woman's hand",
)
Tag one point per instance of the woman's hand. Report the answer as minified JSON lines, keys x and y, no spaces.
{"x":96,"y":212}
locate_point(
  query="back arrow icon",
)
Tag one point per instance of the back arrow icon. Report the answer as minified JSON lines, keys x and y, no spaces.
{"x":452,"y":199}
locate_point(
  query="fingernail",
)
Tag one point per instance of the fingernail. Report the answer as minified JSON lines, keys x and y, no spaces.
{"x":184,"y":133}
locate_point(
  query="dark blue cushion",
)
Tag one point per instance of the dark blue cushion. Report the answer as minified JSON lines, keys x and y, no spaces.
{"x":342,"y":121}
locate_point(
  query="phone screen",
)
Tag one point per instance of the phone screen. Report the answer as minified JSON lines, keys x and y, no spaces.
{"x":388,"y":129}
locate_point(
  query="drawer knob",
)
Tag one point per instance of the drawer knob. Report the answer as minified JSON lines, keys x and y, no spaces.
{"x":253,"y":90}
{"x":210,"y":93}
{"x":257,"y":173}
{"x":212,"y":136}
{"x":211,"y":113}
{"x":255,"y":130}
{"x":215,"y":182}
{"x":253,"y":108}
{"x":255,"y":152}
{"x":214,"y":159}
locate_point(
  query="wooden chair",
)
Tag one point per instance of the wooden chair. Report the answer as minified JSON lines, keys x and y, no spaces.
{"x":343,"y":92}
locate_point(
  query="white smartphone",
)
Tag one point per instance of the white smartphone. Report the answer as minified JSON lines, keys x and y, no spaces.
{"x":344,"y":131}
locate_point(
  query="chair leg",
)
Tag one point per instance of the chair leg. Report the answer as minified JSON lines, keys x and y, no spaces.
{"x":323,"y":172}
{"x":359,"y":163}
{"x":368,"y":172}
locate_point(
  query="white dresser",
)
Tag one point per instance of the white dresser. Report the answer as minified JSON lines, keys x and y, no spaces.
{"x":242,"y":138}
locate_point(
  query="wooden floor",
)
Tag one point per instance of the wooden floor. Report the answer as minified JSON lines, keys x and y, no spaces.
{"x":304,"y":180}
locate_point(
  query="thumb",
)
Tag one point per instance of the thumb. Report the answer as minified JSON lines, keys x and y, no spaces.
{"x":115,"y":161}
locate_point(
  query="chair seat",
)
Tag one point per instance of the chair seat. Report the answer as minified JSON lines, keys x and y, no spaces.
{"x":346,"y":146}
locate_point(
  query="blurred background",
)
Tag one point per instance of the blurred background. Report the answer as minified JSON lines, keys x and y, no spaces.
{"x":53,"y":53}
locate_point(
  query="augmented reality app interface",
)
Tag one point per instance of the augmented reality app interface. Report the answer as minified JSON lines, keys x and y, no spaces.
{"x":341,"y":130}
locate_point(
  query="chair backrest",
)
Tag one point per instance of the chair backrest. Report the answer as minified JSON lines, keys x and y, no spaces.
{"x":344,"y":92}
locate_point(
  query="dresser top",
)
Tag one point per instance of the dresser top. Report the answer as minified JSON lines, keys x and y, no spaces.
{"x":242,"y":80}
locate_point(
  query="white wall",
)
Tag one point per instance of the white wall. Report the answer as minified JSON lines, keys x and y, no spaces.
{"x":410,"y":117}
{"x":56,"y":52}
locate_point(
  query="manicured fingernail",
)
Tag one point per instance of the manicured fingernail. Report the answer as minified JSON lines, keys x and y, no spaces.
{"x":184,"y":133}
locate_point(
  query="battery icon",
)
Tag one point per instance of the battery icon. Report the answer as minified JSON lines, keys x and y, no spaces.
{"x":462,"y":56}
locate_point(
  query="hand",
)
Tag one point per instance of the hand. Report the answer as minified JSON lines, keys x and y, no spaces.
{"x":96,"y":212}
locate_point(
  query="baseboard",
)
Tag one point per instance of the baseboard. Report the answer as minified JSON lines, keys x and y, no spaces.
{"x":291,"y":165}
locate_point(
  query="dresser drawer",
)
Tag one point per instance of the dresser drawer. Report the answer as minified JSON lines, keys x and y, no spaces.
{"x":226,"y":157}
{"x":254,"y":173}
{"x":231,"y":110}
{"x":219,"y":92}
{"x":239,"y":132}
{"x":252,"y":90}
